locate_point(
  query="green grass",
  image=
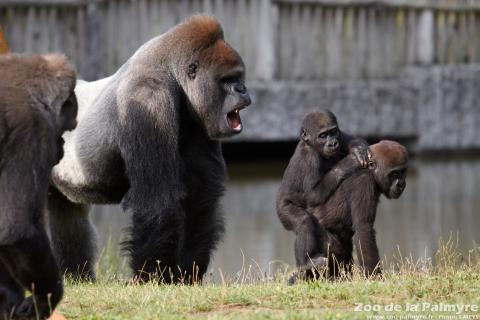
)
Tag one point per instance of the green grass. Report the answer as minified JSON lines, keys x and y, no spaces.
{"x":455,"y":279}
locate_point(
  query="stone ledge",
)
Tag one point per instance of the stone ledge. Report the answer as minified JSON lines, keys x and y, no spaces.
{"x":438,"y":105}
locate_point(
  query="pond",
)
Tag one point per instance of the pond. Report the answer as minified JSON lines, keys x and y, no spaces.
{"x":441,"y":200}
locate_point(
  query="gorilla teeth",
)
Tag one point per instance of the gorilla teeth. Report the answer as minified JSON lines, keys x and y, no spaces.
{"x":234,"y":120}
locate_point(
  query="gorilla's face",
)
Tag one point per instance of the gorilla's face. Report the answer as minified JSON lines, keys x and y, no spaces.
{"x":320,"y":131}
{"x":236,"y":98}
{"x":217,"y":92}
{"x":392,"y":181}
{"x":390,"y":167}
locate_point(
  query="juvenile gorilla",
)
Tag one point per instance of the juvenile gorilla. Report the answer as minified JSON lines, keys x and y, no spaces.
{"x":37,"y":104}
{"x":148,"y":137}
{"x":348,"y":216}
{"x":309,"y":179}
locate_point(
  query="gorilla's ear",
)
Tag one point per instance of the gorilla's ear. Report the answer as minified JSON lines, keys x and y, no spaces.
{"x":192,"y":70}
{"x":304,"y":135}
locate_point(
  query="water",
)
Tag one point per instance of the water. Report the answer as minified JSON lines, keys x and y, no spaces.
{"x":441,"y":199}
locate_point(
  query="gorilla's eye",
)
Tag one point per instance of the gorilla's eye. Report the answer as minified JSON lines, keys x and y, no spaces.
{"x":322,"y":135}
{"x":396,"y":174}
{"x":229,"y":79}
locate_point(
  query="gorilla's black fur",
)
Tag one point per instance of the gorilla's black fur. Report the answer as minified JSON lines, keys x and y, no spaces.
{"x":348,"y":216}
{"x":309,"y":180}
{"x":149,"y":137}
{"x":37,"y":104}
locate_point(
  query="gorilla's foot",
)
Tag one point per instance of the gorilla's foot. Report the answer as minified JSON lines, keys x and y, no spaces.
{"x":314,"y":268}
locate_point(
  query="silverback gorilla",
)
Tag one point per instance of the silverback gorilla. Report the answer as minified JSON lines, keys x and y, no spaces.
{"x":148,"y":137}
{"x":309,"y":178}
{"x":347,"y":218}
{"x":37,"y":104}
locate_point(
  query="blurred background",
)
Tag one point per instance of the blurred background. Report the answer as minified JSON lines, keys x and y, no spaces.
{"x":401,"y":69}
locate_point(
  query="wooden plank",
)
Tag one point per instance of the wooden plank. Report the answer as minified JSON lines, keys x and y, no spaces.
{"x":294,"y":59}
{"x":334,"y":25}
{"x":52,"y":30}
{"x":451,"y":35}
{"x":441,"y":37}
{"x":219,"y":11}
{"x":250,"y":33}
{"x":382,"y":43}
{"x":415,"y":4}
{"x":319,"y":43}
{"x":471,"y":35}
{"x":81,"y":42}
{"x":389,"y":40}
{"x":425,"y":34}
{"x":401,"y":42}
{"x":30,"y":29}
{"x":411,"y":36}
{"x":462,"y":39}
{"x":43,"y":41}
{"x":15,"y":27}
{"x":207,"y":6}
{"x":348,"y":41}
{"x":111,"y":38}
{"x":3,"y":43}
{"x":374,"y":54}
{"x":476,"y":38}
{"x":362,"y":41}
{"x":145,"y":23}
{"x":284,"y":44}
{"x":41,"y":3}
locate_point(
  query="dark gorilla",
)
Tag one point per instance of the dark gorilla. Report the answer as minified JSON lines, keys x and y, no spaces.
{"x":37,"y":104}
{"x":309,"y":178}
{"x":149,"y":137}
{"x":348,"y":216}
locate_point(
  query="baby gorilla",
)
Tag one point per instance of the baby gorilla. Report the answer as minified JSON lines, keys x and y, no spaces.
{"x":308,"y":180}
{"x":37,"y":104}
{"x":348,"y":216}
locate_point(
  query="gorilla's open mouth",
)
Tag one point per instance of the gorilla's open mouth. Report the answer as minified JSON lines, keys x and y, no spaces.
{"x":234,"y":121}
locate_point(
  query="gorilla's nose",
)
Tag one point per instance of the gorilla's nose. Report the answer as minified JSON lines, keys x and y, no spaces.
{"x":240,"y":88}
{"x":333,"y":144}
{"x":245,"y":100}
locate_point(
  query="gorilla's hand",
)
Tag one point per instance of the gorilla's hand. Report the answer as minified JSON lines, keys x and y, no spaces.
{"x":362,"y":154}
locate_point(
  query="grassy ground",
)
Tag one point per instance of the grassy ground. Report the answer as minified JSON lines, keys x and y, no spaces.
{"x":453,"y":280}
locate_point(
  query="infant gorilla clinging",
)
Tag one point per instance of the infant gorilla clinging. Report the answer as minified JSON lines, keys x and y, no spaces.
{"x":347,"y":217}
{"x":308,"y":178}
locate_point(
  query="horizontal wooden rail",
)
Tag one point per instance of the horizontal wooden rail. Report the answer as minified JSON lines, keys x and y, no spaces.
{"x":278,"y":39}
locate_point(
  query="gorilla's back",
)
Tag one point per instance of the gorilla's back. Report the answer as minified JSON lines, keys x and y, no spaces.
{"x":88,"y":149}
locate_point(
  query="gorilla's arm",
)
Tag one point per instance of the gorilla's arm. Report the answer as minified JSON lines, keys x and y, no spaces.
{"x":355,"y":145}
{"x":291,"y":204}
{"x":357,"y":154}
{"x":24,"y":246}
{"x":156,"y":189}
{"x":363,"y":211}
{"x":325,"y":187}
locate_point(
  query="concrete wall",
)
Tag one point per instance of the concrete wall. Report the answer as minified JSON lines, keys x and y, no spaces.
{"x":438,"y":106}
{"x":396,"y":68}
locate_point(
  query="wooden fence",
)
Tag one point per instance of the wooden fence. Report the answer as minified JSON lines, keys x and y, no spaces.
{"x":278,"y":39}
